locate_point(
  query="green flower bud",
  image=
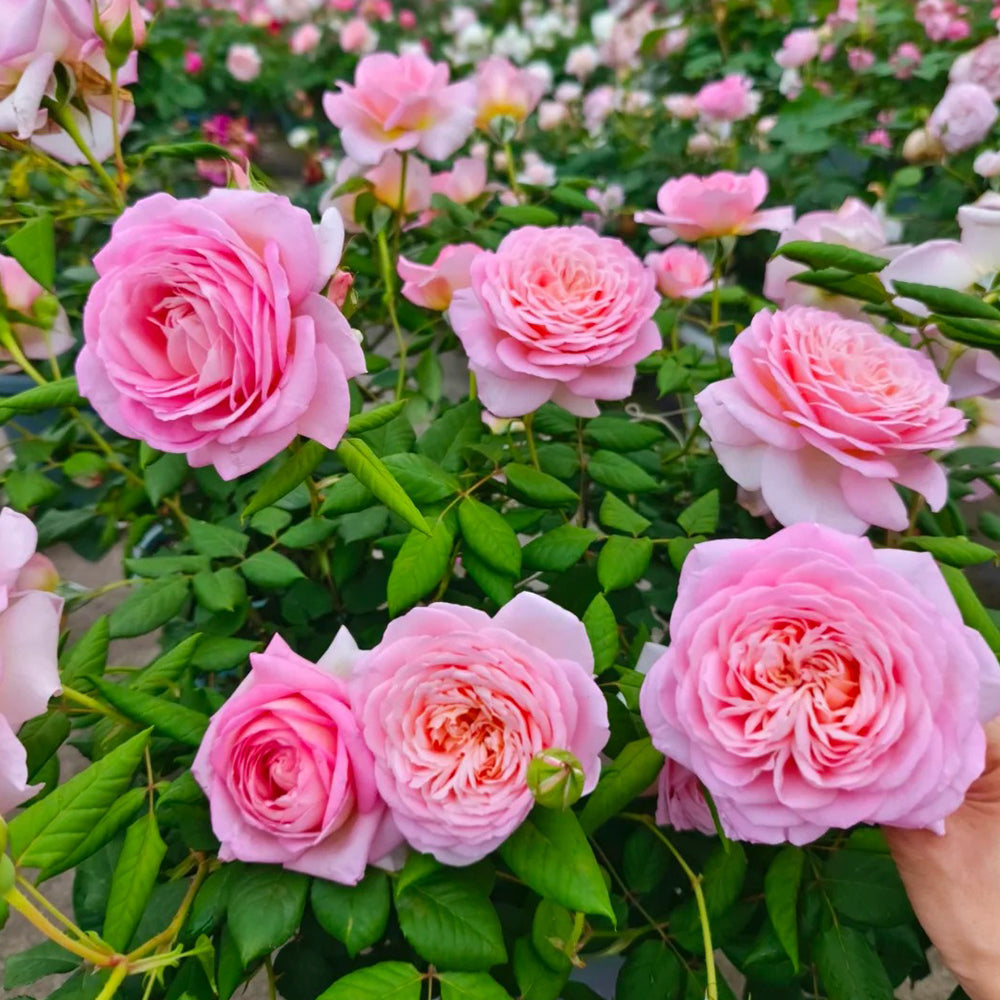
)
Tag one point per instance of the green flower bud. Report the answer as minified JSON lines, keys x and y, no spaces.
{"x":45,"y":309}
{"x":555,"y":778}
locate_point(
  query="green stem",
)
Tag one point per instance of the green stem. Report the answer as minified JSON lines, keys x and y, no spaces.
{"x":93,"y":705}
{"x":508,"y":153}
{"x":116,"y":133}
{"x":167,"y":936}
{"x":11,"y":343}
{"x":62,"y":117}
{"x":117,"y":977}
{"x":99,"y":957}
{"x":716,"y":279}
{"x":389,"y":297}
{"x":529,"y":433}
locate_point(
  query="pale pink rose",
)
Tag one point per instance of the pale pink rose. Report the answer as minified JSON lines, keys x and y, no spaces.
{"x":679,"y":800}
{"x":682,"y":106}
{"x":722,"y":204}
{"x":798,"y":48}
{"x":700,"y":144}
{"x":813,"y":681}
{"x":552,"y":114}
{"x":357,"y":35}
{"x":853,"y":225}
{"x":288,"y":777}
{"x":114,"y":14}
{"x":193,"y":62}
{"x":29,"y":644}
{"x":905,"y":60}
{"x":206,"y":333}
{"x":401,"y":103}
{"x":388,"y":183}
{"x":22,"y":294}
{"x":433,"y":285}
{"x":465,"y":182}
{"x":537,"y":171}
{"x":979,"y":65}
{"x":825,"y":415}
{"x":681,"y":272}
{"x":963,"y":117}
{"x":582,"y":61}
{"x":243,"y":62}
{"x":728,"y":99}
{"x":304,"y":39}
{"x":860,"y":59}
{"x":598,"y":106}
{"x":504,"y":90}
{"x":987,"y":163}
{"x":446,"y":687}
{"x":560,"y":314}
{"x":942,"y":20}
{"x":846,"y":13}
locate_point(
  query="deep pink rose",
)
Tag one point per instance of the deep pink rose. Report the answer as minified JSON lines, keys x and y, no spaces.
{"x":288,"y":777}
{"x":680,"y":802}
{"x":560,"y":314}
{"x":29,"y":650}
{"x":23,"y":294}
{"x":722,"y":204}
{"x":681,"y":272}
{"x":824,"y":415}
{"x":454,"y":705}
{"x":502,"y":89}
{"x":401,"y":103}
{"x":727,"y":100}
{"x":206,"y":333}
{"x":433,"y":285}
{"x":813,"y":681}
{"x":963,"y":116}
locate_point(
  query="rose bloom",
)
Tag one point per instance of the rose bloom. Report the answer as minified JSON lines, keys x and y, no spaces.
{"x":193,"y":62}
{"x":304,"y":39}
{"x":798,"y":48}
{"x":813,"y":681}
{"x":454,"y":704}
{"x":504,"y":90}
{"x":963,"y":117}
{"x":860,"y":59}
{"x":288,"y":777}
{"x":987,"y":163}
{"x":723,"y":204}
{"x":679,"y":800}
{"x":681,"y":272}
{"x":357,"y":35}
{"x":401,"y":103}
{"x":560,"y":314}
{"x":434,"y":285}
{"x":728,"y":99}
{"x":22,"y":294}
{"x":243,"y":62}
{"x":682,"y":106}
{"x":905,"y":60}
{"x":942,"y":20}
{"x":388,"y":182}
{"x":824,"y":415}
{"x":206,"y":333}
{"x":980,"y":65}
{"x":465,"y":182}
{"x":29,"y":644}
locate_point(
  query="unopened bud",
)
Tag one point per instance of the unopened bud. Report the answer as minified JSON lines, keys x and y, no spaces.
{"x":38,"y":573}
{"x":922,"y":147}
{"x":555,"y":778}
{"x":45,"y":309}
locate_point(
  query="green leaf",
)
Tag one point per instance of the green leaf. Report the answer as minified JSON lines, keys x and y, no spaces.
{"x":304,"y":535}
{"x":973,"y":332}
{"x":48,"y":833}
{"x":148,"y":607}
{"x":88,"y":657}
{"x":701,"y":517}
{"x":271,"y":570}
{"x":27,"y":487}
{"x":635,"y":768}
{"x":549,"y":851}
{"x":217,"y":652}
{"x":865,"y":886}
{"x":356,"y":915}
{"x":166,"y":716}
{"x":33,"y":246}
{"x":223,"y":590}
{"x":373,"y":419}
{"x":419,"y":566}
{"x":617,"y":514}
{"x":849,"y":967}
{"x":45,"y":959}
{"x":818,"y":255}
{"x":498,"y":587}
{"x":602,"y":631}
{"x":164,"y":476}
{"x":42,"y":737}
{"x":52,"y":395}
{"x":489,"y":536}
{"x":781,"y":894}
{"x":527,"y":215}
{"x":449,"y":921}
{"x":153,"y":567}
{"x":470,"y":986}
{"x":346,"y":496}
{"x":572,"y":198}
{"x":423,"y":479}
{"x":559,"y":549}
{"x":384,"y":981}
{"x":295,"y":469}
{"x":552,"y":935}
{"x":265,"y":909}
{"x":947,"y":301}
{"x":456,"y":428}
{"x":973,"y":613}
{"x":622,"y":561}
{"x":133,"y":881}
{"x":369,"y":469}
{"x":622,"y":434}
{"x":619,"y":473}
{"x":539,"y":488}
{"x":956,"y":551}
{"x":164,"y":671}
{"x":650,"y":970}
{"x":865,"y":287}
{"x":535,"y":979}
{"x":216,"y":541}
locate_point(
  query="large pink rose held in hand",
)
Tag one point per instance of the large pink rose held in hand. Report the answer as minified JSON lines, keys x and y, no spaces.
{"x":813,"y":681}
{"x":561,"y":314}
{"x":288,"y":778}
{"x":454,"y":705}
{"x":206,"y":333}
{"x":824,"y":415}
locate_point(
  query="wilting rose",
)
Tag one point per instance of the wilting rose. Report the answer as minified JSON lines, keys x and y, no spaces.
{"x":22,"y":294}
{"x":434,"y":285}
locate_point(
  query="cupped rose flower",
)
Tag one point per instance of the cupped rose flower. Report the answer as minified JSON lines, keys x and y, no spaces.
{"x":288,"y":777}
{"x":813,"y":681}
{"x":560,"y":314}
{"x":979,"y":65}
{"x":411,"y":193}
{"x":401,"y":103}
{"x":680,"y":802}
{"x":825,"y":415}
{"x":723,"y":204}
{"x":465,"y":182}
{"x":22,"y":294}
{"x":454,"y":705}
{"x":29,"y":650}
{"x":727,"y":100}
{"x":681,"y":272}
{"x":963,"y":117}
{"x":206,"y":333}
{"x":434,"y":285}
{"x":797,"y":48}
{"x":503,"y":90}
{"x":243,"y":62}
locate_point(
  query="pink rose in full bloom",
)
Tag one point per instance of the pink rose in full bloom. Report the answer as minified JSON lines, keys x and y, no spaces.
{"x":357,"y":35}
{"x":206,"y":333}
{"x":401,"y":103}
{"x":963,"y":116}
{"x":29,"y":642}
{"x":465,"y":182}
{"x":942,"y":20}
{"x":723,"y":204}
{"x":728,"y":99}
{"x":679,"y":800}
{"x":454,"y":704}
{"x":288,"y":777}
{"x":813,"y":681}
{"x":22,"y":294}
{"x":434,"y":285}
{"x":798,"y":48}
{"x":561,"y":314}
{"x":504,"y":90}
{"x":681,"y":272}
{"x":824,"y":415}
{"x":979,"y":65}
{"x":243,"y":62}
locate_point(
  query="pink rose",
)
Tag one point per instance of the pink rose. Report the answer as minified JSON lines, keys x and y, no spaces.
{"x":980,"y":65}
{"x":29,"y":642}
{"x":401,"y":103}
{"x":304,"y":39}
{"x":681,"y":272}
{"x":357,"y":35}
{"x":942,"y":20}
{"x":193,"y":62}
{"x":504,"y":90}
{"x":963,"y":117}
{"x":465,"y":182}
{"x":824,"y":415}
{"x":22,"y":294}
{"x":798,"y":48}
{"x":723,"y":204}
{"x":288,"y":777}
{"x":454,"y":705}
{"x":113,"y":15}
{"x":206,"y":333}
{"x":860,"y":59}
{"x":905,"y":60}
{"x":388,"y":183}
{"x":243,"y":62}
{"x":813,"y":681}
{"x":433,"y":285}
{"x":683,"y":106}
{"x":728,"y":99}
{"x":679,"y":800}
{"x":560,"y":314}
